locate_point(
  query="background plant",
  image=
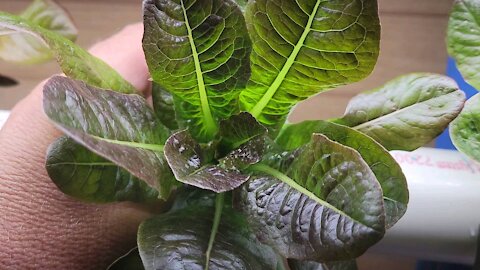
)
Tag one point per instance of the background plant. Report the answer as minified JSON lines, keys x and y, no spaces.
{"x":249,"y":190}
{"x":463,"y":45}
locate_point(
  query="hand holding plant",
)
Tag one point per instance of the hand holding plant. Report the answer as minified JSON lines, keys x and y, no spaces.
{"x":41,"y":227}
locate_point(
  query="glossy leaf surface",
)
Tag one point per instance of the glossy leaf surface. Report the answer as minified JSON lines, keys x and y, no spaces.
{"x":179,"y":240}
{"x":407,"y":112}
{"x":386,"y":169}
{"x":463,"y":39}
{"x":24,"y":48}
{"x":119,"y":127}
{"x":191,"y":164}
{"x":320,"y":202}
{"x":465,"y":130}
{"x":302,"y":47}
{"x":164,"y":106}
{"x":198,"y":50}
{"x":74,"y":61}
{"x":238,"y":130}
{"x":80,"y":173}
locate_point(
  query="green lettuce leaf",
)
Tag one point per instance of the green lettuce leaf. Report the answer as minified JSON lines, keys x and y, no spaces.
{"x":164,"y":106}
{"x":463,"y":39}
{"x":383,"y":165}
{"x":26,"y":49}
{"x":198,"y":50}
{"x":301,"y":48}
{"x":178,"y":240}
{"x":119,"y":127}
{"x":74,"y":61}
{"x":238,"y":130}
{"x":191,"y":163}
{"x":320,"y":202}
{"x":242,"y":4}
{"x":465,"y":130}
{"x":407,"y":112}
{"x":82,"y":174}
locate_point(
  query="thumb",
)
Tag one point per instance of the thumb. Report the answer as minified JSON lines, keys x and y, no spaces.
{"x":41,"y":228}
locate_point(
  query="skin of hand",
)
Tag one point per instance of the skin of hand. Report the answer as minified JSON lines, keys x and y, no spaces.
{"x":40,"y":227}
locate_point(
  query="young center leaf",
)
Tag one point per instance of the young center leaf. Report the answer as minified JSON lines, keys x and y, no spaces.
{"x":407,"y":112}
{"x":119,"y":127}
{"x":26,"y":49}
{"x":465,"y":130}
{"x":192,"y":164}
{"x":304,"y":47}
{"x":198,"y":50}
{"x":74,"y":61}
{"x":463,"y":39}
{"x":238,"y":130}
{"x":82,"y":174}
{"x":383,"y":165}
{"x":320,"y":202}
{"x":309,"y":265}
{"x":178,"y":240}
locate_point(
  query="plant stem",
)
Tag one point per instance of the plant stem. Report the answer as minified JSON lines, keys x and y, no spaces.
{"x":219,"y":200}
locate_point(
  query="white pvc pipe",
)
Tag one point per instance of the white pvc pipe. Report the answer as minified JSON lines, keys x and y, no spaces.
{"x":3,"y":117}
{"x":443,"y":215}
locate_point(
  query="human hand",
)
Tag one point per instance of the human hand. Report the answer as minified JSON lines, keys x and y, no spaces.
{"x":40,"y":227}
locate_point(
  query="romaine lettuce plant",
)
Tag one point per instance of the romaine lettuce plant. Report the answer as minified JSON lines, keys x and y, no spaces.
{"x":249,"y":190}
{"x":463,"y":45}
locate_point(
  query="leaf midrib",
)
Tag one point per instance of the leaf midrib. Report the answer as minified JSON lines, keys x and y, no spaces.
{"x":289,"y":181}
{"x":146,"y":146}
{"x":210,"y":124}
{"x":258,"y":108}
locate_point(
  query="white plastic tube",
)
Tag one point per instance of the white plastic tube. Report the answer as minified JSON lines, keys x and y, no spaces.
{"x":3,"y":117}
{"x":443,"y":215}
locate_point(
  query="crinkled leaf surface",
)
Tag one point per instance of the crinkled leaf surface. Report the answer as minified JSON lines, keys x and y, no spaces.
{"x":75,"y":62}
{"x":84,"y":175}
{"x":129,"y":261}
{"x":386,"y":169}
{"x":24,"y":48}
{"x":7,"y":81}
{"x":309,"y":265}
{"x":463,"y":39}
{"x":320,"y":202}
{"x":119,"y":127}
{"x":164,"y":106}
{"x":303,"y":47}
{"x":242,"y":4}
{"x":465,"y":130}
{"x":238,"y":130}
{"x":198,"y":50}
{"x":407,"y":112}
{"x":191,"y":164}
{"x":179,"y":240}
